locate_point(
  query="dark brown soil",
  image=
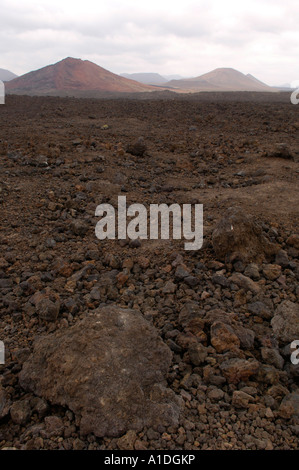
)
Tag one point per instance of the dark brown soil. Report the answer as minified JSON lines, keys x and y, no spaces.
{"x":60,"y":158}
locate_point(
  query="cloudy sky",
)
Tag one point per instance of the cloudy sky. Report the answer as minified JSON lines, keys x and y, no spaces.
{"x":185,"y":37}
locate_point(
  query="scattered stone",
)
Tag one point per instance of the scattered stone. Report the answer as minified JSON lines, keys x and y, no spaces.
{"x":245,"y":335}
{"x":252,"y":271}
{"x":169,"y":288}
{"x":127,"y":441}
{"x":181,"y":272}
{"x":138,"y":148}
{"x":245,"y":283}
{"x":260,"y":309}
{"x":20,"y":411}
{"x":282,"y":258}
{"x":198,"y":354}
{"x":47,"y":304}
{"x":79,"y":227}
{"x":293,"y":240}
{"x":272,"y":356}
{"x":271,"y":271}
{"x":281,"y":150}
{"x":223,"y":337}
{"x":216,"y":394}
{"x":5,"y":402}
{"x":289,"y":406}
{"x":241,"y":399}
{"x":54,"y":426}
{"x":237,"y":370}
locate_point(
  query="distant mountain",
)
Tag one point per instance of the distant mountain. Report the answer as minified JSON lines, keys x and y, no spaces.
{"x":285,"y":86}
{"x":6,"y":75}
{"x":221,"y":79}
{"x":73,"y":75}
{"x":146,"y":78}
{"x":173,"y":77}
{"x":255,"y":79}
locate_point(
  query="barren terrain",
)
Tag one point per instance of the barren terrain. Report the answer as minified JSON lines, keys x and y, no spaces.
{"x":59,"y":159}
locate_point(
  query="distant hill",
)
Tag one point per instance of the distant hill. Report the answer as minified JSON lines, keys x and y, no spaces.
{"x":73,"y":75}
{"x":146,"y":78}
{"x":221,"y":79}
{"x":6,"y":75}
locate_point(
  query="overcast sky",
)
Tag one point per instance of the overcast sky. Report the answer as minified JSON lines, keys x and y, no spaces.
{"x":183,"y":37}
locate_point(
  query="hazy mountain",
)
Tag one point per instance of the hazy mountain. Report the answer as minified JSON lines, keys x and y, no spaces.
{"x":146,"y":78}
{"x":255,"y":79}
{"x":221,"y":79}
{"x":173,"y":77}
{"x":6,"y":75}
{"x":73,"y":75}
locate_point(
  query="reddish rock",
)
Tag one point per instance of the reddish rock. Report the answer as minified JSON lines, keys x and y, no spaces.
{"x":223,"y":337}
{"x":237,"y":370}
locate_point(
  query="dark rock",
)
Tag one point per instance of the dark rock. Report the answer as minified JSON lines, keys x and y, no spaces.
{"x":54,"y":427}
{"x":252,"y":271}
{"x":47,"y":304}
{"x":109,"y":369}
{"x":190,"y":311}
{"x":285,"y":322}
{"x":181,"y":272}
{"x":197,"y":354}
{"x":220,"y":279}
{"x":223,"y":337}
{"x":138,"y":148}
{"x":282,"y":258}
{"x":5,"y":402}
{"x":237,"y":370}
{"x":271,"y":271}
{"x":20,"y":411}
{"x":272,"y":356}
{"x":241,"y":399}
{"x":246,"y":336}
{"x":245,"y":283}
{"x":289,"y":406}
{"x":260,"y":309}
{"x":281,"y":150}
{"x":238,"y":237}
{"x":79,"y":227}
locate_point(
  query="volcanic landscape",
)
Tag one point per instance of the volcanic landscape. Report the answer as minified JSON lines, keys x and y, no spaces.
{"x":141,"y":344}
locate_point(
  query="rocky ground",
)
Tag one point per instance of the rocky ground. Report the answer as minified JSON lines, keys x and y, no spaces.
{"x":141,"y":344}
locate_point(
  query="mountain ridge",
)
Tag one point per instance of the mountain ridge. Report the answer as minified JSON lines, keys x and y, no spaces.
{"x":7,"y":75}
{"x":220,"y":79}
{"x":72,"y":74}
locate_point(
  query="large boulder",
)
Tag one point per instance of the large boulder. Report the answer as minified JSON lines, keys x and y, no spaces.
{"x":238,"y":236}
{"x":109,"y":369}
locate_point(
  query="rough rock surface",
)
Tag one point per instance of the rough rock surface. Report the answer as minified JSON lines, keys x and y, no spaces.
{"x":285,"y":322}
{"x":109,"y":369}
{"x":239,"y":237}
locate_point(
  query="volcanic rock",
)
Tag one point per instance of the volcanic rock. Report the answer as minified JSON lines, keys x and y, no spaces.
{"x":223,"y":337}
{"x":109,"y":369}
{"x":236,"y":370}
{"x":239,"y":237}
{"x":285,"y":322}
